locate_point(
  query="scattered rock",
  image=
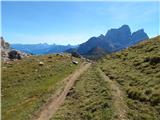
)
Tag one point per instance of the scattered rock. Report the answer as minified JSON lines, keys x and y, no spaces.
{"x":83,"y":58}
{"x":49,"y":56}
{"x":50,"y":61}
{"x":75,"y":62}
{"x":4,"y":67}
{"x":39,"y":76}
{"x":41,"y":63}
{"x":88,"y":60}
{"x":76,"y":54}
{"x":58,"y":54}
{"x":13,"y":54}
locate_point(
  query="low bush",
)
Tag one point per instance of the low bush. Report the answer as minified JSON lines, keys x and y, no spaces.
{"x":155,"y":99}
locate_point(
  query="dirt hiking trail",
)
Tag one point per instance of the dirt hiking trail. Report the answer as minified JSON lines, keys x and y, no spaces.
{"x":48,"y":110}
{"x":117,"y":97}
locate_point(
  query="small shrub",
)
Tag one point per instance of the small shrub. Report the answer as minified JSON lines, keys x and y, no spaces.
{"x":155,"y":60}
{"x":152,"y":60}
{"x":134,"y":93}
{"x":155,"y":99}
{"x":148,"y":92}
{"x":143,"y":98}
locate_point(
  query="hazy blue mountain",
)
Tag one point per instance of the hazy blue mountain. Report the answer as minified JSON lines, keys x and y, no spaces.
{"x":71,"y":50}
{"x":119,"y":36}
{"x":93,"y":42}
{"x":60,"y":48}
{"x":139,"y":35}
{"x":42,"y":48}
{"x":114,"y":40}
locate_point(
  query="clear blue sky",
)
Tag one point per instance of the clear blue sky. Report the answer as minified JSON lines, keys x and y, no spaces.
{"x":74,"y":22}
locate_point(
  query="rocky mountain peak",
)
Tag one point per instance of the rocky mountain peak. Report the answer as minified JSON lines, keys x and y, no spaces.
{"x":124,"y":27}
{"x":139,"y":35}
{"x":101,"y":36}
{"x":119,"y":36}
{"x":115,"y":39}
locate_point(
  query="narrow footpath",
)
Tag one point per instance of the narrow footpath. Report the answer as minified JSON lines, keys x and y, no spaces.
{"x":117,"y":97}
{"x":50,"y":108}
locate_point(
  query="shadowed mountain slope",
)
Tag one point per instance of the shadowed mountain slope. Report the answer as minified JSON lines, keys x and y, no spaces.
{"x":114,"y":40}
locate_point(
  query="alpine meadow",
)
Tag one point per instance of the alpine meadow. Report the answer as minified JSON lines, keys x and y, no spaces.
{"x":80,"y":60}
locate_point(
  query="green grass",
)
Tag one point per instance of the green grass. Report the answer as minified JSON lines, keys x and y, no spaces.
{"x":137,"y":70}
{"x":89,"y":99}
{"x":26,"y":86}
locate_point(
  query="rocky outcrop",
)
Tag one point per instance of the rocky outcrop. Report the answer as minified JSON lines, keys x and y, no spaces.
{"x":4,"y":45}
{"x":7,"y":53}
{"x":139,"y":35}
{"x":119,"y":36}
{"x":75,"y":54}
{"x":5,"y":48}
{"x":114,"y":40}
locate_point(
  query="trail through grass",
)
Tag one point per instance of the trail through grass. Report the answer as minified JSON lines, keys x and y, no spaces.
{"x":26,"y":86}
{"x":89,"y":99}
{"x":137,"y":70}
{"x":119,"y":104}
{"x":56,"y":101}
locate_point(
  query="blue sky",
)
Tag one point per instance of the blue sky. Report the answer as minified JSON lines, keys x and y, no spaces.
{"x":74,"y":22}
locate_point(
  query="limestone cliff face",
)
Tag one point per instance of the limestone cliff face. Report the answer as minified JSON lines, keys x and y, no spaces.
{"x":5,"y":48}
{"x":7,"y":53}
{"x":114,"y":40}
{"x":4,"y":45}
{"x":139,"y":35}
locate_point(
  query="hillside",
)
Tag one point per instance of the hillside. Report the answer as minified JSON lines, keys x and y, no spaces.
{"x":95,"y":53}
{"x":28,"y":83}
{"x":137,"y":70}
{"x":123,"y":85}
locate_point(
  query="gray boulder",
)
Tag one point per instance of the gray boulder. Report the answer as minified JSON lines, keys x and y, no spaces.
{"x":13,"y":54}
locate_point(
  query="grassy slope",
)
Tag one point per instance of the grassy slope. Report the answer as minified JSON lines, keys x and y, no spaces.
{"x":26,"y":85}
{"x":137,"y":70}
{"x":88,"y":100}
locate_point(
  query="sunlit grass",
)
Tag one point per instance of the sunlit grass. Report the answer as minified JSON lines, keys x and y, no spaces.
{"x":137,"y":70}
{"x":26,"y":85}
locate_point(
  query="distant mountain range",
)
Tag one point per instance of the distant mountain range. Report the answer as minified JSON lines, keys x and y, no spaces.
{"x":114,"y":40}
{"x":42,"y":48}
